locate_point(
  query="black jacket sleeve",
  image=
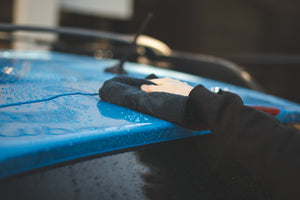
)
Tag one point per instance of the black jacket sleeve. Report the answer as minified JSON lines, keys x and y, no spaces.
{"x":259,"y":141}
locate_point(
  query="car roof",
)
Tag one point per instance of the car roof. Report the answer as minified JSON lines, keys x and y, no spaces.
{"x":51,"y":112}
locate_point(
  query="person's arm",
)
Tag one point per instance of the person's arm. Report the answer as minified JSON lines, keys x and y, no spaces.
{"x":257,"y":140}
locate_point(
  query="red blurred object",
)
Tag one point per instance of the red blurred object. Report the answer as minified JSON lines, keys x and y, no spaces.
{"x":270,"y":110}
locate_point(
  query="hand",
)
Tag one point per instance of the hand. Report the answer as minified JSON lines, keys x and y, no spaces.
{"x":168,"y":85}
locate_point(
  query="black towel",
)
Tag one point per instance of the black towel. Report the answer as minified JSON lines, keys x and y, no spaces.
{"x":125,"y":91}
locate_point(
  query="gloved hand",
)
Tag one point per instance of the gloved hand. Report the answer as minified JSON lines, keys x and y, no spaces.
{"x":125,"y":91}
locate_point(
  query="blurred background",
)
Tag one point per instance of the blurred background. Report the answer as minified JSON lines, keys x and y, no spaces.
{"x":261,"y":36}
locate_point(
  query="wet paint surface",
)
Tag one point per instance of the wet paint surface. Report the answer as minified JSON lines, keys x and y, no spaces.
{"x":50,"y":110}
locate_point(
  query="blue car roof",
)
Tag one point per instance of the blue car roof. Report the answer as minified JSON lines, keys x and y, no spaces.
{"x":51,"y":112}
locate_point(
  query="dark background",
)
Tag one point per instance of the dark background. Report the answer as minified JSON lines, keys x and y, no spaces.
{"x":262,"y":36}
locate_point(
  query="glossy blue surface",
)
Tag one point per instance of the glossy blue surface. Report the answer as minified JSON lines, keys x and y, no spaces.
{"x":50,"y":111}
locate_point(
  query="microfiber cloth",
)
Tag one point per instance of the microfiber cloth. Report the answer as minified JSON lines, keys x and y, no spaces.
{"x":125,"y":91}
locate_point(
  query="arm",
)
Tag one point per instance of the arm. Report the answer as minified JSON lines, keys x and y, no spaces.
{"x":259,"y":141}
